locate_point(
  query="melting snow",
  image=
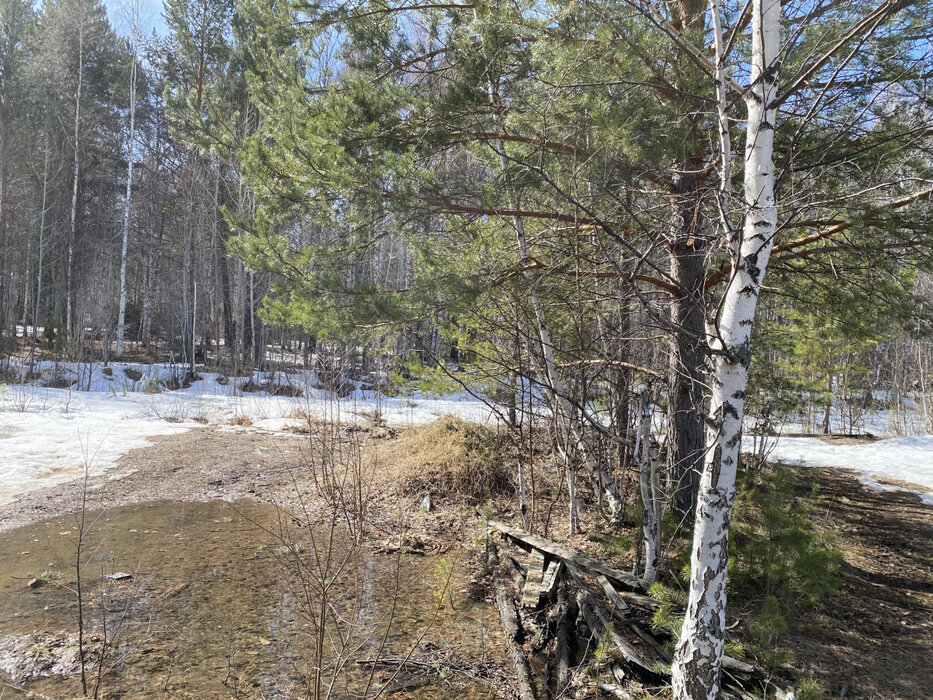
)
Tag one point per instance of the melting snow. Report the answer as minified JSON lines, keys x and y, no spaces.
{"x":48,"y":435}
{"x":907,"y":459}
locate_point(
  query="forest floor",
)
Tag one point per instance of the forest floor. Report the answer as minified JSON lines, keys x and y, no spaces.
{"x":874,"y":639}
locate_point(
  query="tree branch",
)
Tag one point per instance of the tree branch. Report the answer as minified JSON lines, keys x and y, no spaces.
{"x":893,"y":205}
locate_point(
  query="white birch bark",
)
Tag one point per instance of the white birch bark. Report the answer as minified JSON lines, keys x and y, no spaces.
{"x":73,"y":221}
{"x":39,"y":263}
{"x":650,"y":492}
{"x":698,"y":658}
{"x":194,"y":331}
{"x":155,"y":242}
{"x":722,"y":114}
{"x":27,"y":283}
{"x":121,"y":320}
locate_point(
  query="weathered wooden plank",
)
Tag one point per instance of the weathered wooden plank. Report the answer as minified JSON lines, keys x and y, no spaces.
{"x":598,"y":623}
{"x":532,"y":593}
{"x":511,"y":629}
{"x":515,"y":563}
{"x":629,"y":653}
{"x":737,"y":666}
{"x":660,"y":653}
{"x":649,"y":656}
{"x":640,"y":601}
{"x":584,"y":561}
{"x":563,"y":634}
{"x":551,"y":577}
{"x":612,"y":594}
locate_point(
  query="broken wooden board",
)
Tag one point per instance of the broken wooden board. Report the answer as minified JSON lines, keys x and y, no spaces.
{"x":602,"y":628}
{"x":551,"y":577}
{"x":571,"y":556}
{"x":612,"y":594}
{"x":532,"y":591}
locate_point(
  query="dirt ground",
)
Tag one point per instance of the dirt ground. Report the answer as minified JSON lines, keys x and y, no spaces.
{"x":873,"y":640}
{"x":226,"y":462}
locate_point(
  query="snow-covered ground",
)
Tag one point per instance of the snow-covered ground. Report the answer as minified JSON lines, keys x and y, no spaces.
{"x":48,"y":435}
{"x":907,"y":459}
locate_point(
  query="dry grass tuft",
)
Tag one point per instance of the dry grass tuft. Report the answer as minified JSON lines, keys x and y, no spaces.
{"x":452,"y":459}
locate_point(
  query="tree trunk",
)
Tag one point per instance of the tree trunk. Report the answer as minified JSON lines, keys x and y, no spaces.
{"x":39,"y":262}
{"x":687,"y":355}
{"x":828,"y":407}
{"x":3,"y":206}
{"x":73,"y":221}
{"x":121,"y":321}
{"x":650,"y":492}
{"x":698,"y":657}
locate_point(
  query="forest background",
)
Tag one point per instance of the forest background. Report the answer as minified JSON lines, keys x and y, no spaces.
{"x":535,"y":201}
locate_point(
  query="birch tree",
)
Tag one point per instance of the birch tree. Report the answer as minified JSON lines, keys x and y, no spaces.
{"x":646,"y":451}
{"x":76,"y":171}
{"x":821,"y":83}
{"x":698,"y":657}
{"x":133,"y":11}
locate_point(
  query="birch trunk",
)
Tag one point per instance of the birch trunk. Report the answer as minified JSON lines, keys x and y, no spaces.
{"x":39,"y":263}
{"x":121,"y":321}
{"x":156,"y":231}
{"x":698,"y":658}
{"x":27,"y":283}
{"x":650,"y":492}
{"x":73,"y":221}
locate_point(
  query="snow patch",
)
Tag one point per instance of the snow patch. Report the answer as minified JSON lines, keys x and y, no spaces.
{"x":48,"y":435}
{"x":908,"y":459}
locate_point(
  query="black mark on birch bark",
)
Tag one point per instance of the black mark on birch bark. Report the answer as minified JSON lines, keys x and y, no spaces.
{"x":716,"y":467}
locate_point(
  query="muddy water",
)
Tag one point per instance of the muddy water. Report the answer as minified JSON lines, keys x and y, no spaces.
{"x":223,"y":600}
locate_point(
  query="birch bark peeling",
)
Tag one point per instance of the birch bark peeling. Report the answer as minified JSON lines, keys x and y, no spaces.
{"x":698,"y":658}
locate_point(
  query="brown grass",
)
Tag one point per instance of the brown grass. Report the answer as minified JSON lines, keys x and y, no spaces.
{"x":452,"y":460}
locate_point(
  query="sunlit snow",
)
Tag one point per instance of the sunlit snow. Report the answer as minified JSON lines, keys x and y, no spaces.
{"x":48,"y":435}
{"x":907,"y":459}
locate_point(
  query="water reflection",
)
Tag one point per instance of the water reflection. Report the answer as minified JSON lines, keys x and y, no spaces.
{"x":219,"y":605}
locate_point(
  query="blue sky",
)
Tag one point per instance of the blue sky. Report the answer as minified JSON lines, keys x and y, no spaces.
{"x":150,"y":16}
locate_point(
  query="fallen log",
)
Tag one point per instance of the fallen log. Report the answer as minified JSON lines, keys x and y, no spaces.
{"x":508,"y":619}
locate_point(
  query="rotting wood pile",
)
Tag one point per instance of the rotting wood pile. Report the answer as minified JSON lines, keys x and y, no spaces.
{"x":575,"y":627}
